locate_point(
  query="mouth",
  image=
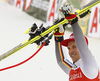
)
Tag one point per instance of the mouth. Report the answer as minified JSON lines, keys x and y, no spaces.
{"x":73,"y":55}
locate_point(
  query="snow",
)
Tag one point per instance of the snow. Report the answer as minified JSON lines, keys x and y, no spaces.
{"x":43,"y":67}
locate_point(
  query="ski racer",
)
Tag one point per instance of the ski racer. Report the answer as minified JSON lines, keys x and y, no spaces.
{"x":84,"y":66}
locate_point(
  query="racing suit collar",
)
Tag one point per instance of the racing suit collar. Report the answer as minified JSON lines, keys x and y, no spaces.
{"x":76,"y":64}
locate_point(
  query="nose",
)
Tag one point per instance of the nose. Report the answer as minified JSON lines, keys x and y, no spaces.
{"x":71,"y":51}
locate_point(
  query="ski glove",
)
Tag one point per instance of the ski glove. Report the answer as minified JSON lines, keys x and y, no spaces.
{"x":59,"y":32}
{"x":68,"y":8}
{"x":68,"y":12}
{"x":72,"y":18}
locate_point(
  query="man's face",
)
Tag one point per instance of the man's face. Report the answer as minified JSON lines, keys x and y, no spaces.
{"x":73,"y":51}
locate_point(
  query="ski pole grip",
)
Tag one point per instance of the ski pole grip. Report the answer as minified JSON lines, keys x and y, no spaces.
{"x":85,"y":13}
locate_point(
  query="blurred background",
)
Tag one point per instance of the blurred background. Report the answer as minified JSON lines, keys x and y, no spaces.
{"x":16,"y":16}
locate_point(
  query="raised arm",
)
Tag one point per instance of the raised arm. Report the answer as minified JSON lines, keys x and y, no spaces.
{"x":89,"y":65}
{"x":62,"y":60}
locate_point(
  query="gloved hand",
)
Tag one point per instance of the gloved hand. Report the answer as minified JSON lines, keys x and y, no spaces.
{"x":68,"y":11}
{"x":68,"y":8}
{"x":72,"y":18}
{"x":59,"y":32}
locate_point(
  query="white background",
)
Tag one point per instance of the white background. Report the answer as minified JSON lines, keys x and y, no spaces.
{"x":43,"y":67}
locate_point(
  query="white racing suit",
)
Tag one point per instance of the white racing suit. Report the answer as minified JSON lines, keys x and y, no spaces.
{"x":86,"y":68}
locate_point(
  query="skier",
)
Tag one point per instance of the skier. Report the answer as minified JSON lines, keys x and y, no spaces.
{"x":84,"y":66}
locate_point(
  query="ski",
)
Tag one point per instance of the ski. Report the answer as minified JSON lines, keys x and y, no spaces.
{"x":49,"y":30}
{"x":87,"y":7}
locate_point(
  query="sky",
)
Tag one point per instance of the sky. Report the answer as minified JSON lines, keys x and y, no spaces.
{"x":43,"y":67}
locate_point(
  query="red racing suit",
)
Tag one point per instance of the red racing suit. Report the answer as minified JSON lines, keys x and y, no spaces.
{"x":78,"y":75}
